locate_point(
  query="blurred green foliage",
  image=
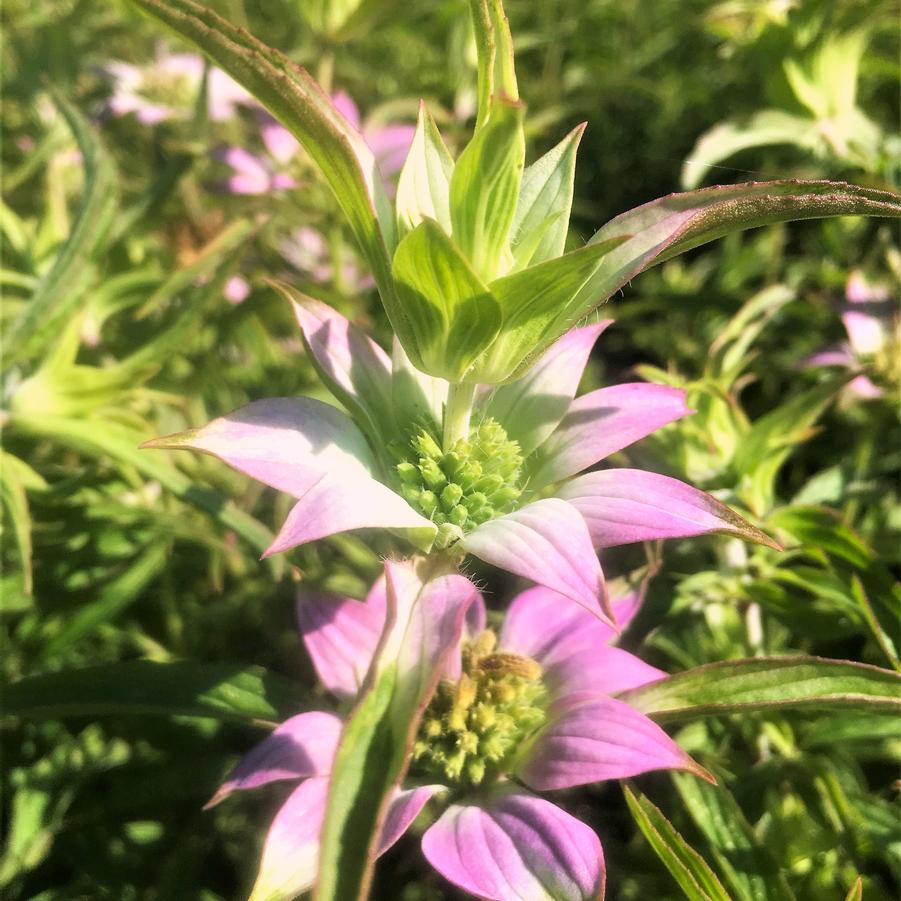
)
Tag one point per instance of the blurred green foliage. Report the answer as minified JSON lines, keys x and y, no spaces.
{"x":120,"y":243}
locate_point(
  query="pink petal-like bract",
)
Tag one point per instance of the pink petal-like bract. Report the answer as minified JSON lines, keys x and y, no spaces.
{"x":341,"y":501}
{"x":301,"y":747}
{"x":291,"y":850}
{"x":340,"y":635}
{"x":546,"y":542}
{"x":602,"y":422}
{"x":539,"y":624}
{"x":354,"y":368}
{"x":622,"y":506}
{"x":288,"y":443}
{"x":531,"y":407}
{"x":404,"y":808}
{"x":516,"y":846}
{"x":589,"y":738}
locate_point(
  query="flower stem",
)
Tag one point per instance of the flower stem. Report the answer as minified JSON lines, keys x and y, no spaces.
{"x":457,"y":411}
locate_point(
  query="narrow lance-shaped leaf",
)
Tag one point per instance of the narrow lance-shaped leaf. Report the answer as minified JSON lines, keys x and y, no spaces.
{"x":694,"y":875}
{"x":300,"y":104}
{"x":423,"y":626}
{"x":537,"y":309}
{"x":747,"y":867}
{"x":764,"y":683}
{"x":423,"y":188}
{"x":484,"y":188}
{"x":671,"y":225}
{"x":541,"y":221}
{"x":57,"y":292}
{"x":217,"y":691}
{"x":451,"y":313}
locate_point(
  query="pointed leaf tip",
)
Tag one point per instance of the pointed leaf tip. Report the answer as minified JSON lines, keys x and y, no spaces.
{"x":176,"y":441}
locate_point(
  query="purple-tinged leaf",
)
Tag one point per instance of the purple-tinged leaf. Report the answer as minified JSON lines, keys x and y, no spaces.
{"x":622,"y":506}
{"x":546,"y":542}
{"x":673,"y":224}
{"x":602,"y":422}
{"x":516,"y":845}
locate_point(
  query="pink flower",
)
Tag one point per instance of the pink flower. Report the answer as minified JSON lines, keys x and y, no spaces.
{"x":511,"y":494}
{"x":867,"y":318}
{"x":389,"y":143}
{"x":168,"y":87}
{"x":259,"y":174}
{"x":308,"y":251}
{"x":531,"y":710}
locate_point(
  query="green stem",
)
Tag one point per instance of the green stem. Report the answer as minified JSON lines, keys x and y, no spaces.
{"x":457,"y":411}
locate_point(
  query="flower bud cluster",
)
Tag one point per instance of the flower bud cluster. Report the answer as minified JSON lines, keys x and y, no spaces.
{"x":476,"y":480}
{"x":473,"y":728}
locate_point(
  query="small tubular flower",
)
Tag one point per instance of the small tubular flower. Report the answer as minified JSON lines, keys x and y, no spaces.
{"x":508,"y":491}
{"x":529,"y":709}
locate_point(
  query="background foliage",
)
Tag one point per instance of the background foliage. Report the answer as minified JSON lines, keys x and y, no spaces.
{"x":121,"y":243}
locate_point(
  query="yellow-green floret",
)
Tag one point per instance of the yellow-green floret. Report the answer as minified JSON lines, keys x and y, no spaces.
{"x":476,"y":480}
{"x":473,"y":728}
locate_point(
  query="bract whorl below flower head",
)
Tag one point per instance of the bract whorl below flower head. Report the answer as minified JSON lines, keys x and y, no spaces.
{"x":496,"y":838}
{"x":509,"y":493}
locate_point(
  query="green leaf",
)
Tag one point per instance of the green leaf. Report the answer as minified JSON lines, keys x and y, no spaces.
{"x":423,"y":188}
{"x":494,"y":50}
{"x":664,"y":228}
{"x":541,"y":222}
{"x":742,"y":686}
{"x":865,"y":729}
{"x":855,"y":893}
{"x":300,"y":104}
{"x":114,"y":598}
{"x":750,"y":871}
{"x":219,"y":691}
{"x":763,"y":129}
{"x":58,"y":291}
{"x":208,"y":258}
{"x":423,"y":627}
{"x":97,"y":437}
{"x":16,"y":476}
{"x":451,"y":313}
{"x":688,"y":868}
{"x":772,"y":439}
{"x":537,"y":307}
{"x":484,"y":189}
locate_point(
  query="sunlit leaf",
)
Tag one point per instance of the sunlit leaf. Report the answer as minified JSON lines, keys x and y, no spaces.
{"x":697,"y":881}
{"x":760,"y":684}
